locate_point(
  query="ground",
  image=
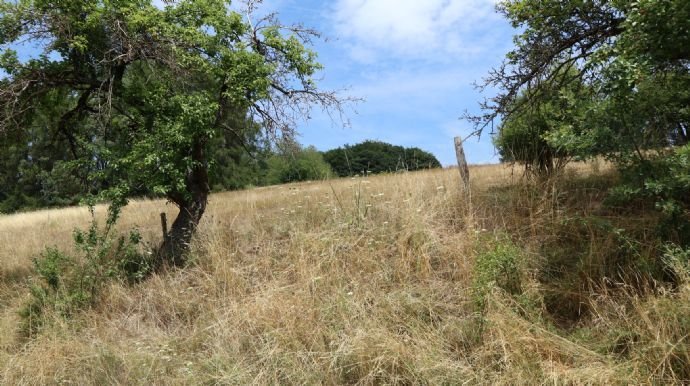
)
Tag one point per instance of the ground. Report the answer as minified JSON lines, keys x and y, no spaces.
{"x":368,"y":280}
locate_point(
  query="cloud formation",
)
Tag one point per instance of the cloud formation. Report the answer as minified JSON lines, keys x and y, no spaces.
{"x":414,"y":28}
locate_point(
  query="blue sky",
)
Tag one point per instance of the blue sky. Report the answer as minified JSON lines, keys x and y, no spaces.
{"x":413,"y":62}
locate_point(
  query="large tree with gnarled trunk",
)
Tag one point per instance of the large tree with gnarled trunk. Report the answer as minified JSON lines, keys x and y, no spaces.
{"x":141,"y":90}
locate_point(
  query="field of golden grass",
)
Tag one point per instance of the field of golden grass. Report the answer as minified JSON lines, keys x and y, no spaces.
{"x":352,"y":281}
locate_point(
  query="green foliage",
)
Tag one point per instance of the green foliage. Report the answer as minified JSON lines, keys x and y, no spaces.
{"x":663,"y":181}
{"x":534,"y":133}
{"x":238,"y":155}
{"x":619,"y":69}
{"x":498,"y":263}
{"x":69,"y":283}
{"x":378,"y":157}
{"x":657,"y":31}
{"x":294,"y":163}
{"x":130,"y":96}
{"x":38,"y":170}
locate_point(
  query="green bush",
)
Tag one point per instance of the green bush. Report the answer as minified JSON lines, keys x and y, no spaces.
{"x":68,"y":283}
{"x":662,"y":181}
{"x":498,"y":263}
{"x":378,"y":157}
{"x":296,"y":164}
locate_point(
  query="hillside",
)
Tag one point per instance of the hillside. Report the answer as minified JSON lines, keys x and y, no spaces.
{"x":392,"y":279}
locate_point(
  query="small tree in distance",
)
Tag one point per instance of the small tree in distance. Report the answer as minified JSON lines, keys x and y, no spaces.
{"x":292,"y":162}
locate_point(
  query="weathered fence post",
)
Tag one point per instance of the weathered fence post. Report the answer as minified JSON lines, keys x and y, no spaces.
{"x":462,"y":165}
{"x":164,"y":228}
{"x":164,"y":225}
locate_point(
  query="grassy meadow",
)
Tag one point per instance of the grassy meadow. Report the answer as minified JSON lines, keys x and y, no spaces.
{"x":390,"y":279}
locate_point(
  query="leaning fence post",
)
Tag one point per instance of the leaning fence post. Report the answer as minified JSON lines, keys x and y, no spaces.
{"x":462,"y":165}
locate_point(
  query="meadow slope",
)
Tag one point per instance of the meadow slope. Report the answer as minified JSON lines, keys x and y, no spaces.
{"x":391,"y":279}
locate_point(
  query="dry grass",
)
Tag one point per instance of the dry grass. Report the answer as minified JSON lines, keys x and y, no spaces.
{"x":353,"y":281}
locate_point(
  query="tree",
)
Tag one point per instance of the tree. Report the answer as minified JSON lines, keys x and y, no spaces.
{"x":145,"y":89}
{"x":292,"y":163}
{"x":530,"y":135}
{"x":634,"y":57}
{"x":616,"y":47}
{"x":378,"y":157}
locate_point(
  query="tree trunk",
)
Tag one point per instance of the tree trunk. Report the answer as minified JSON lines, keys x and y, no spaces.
{"x":545,"y":162}
{"x":176,"y":243}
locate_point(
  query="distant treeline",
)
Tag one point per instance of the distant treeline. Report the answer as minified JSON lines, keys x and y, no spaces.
{"x":32,"y":179}
{"x":378,"y":157}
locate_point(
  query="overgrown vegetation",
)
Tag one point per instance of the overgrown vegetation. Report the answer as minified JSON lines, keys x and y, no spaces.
{"x":385,"y":279}
{"x":600,"y":78}
{"x":69,"y":283}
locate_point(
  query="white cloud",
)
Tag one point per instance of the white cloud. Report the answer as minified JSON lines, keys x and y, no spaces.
{"x":414,"y":28}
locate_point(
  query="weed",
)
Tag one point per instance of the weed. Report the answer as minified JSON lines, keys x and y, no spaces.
{"x":68,"y":283}
{"x":498,"y":263}
{"x":677,"y":263}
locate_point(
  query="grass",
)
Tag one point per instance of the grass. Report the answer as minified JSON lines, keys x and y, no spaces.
{"x":366,"y":281}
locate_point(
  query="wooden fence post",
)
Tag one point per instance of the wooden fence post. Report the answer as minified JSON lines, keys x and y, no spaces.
{"x":164,"y":228}
{"x":462,"y":165}
{"x":164,"y":225}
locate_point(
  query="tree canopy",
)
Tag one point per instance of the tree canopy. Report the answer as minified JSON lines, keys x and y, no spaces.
{"x":600,"y":77}
{"x":378,"y":157}
{"x":293,"y":162}
{"x":528,"y":135}
{"x":622,"y":49}
{"x":134,"y":94}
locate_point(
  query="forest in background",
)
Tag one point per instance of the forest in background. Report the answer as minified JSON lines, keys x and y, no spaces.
{"x":44,"y":175}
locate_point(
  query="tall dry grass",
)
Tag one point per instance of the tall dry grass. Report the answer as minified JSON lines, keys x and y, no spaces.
{"x":351,"y":281}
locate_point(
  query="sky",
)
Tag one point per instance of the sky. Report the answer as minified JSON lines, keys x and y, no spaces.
{"x":414,"y":64}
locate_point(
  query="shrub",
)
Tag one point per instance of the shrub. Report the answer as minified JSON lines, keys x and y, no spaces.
{"x":297,"y":164}
{"x":663,"y":181}
{"x":498,"y":263}
{"x":68,"y":283}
